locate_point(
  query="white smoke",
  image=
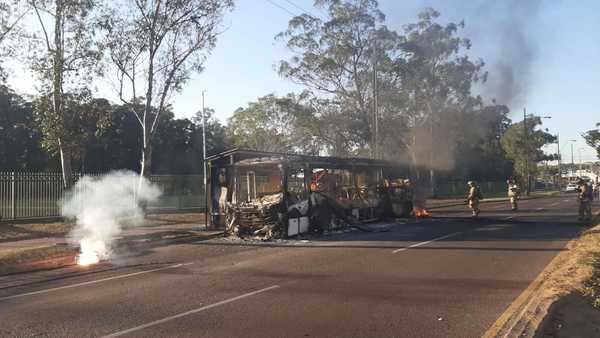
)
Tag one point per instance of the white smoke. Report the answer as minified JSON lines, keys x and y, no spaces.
{"x":102,"y":207}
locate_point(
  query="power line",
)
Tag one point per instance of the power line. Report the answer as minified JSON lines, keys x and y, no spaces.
{"x":325,"y":13}
{"x":298,"y":7}
{"x":282,"y":8}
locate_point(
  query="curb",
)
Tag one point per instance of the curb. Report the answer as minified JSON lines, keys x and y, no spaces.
{"x":511,"y":323}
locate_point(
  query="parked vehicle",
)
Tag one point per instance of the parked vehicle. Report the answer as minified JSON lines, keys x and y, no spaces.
{"x":571,"y":187}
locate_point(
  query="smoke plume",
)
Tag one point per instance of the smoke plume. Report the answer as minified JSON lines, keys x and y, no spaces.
{"x":102,"y":207}
{"x":503,"y":28}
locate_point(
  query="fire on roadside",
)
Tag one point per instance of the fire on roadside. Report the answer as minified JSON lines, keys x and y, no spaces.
{"x":420,"y":212}
{"x":87,"y":258}
{"x":91,"y":252}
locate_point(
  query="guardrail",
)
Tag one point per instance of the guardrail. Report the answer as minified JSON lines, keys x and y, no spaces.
{"x":38,"y":194}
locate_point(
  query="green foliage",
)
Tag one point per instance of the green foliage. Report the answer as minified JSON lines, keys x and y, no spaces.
{"x":334,"y":59}
{"x":63,"y":50}
{"x":11,"y":15}
{"x":83,"y":118}
{"x":420,"y":77}
{"x":592,"y":138}
{"x":158,"y":45}
{"x":281,"y":124}
{"x":591,"y":287}
{"x":524,"y":145}
{"x":479,"y":153}
{"x":20,"y":147}
{"x":216,"y":133}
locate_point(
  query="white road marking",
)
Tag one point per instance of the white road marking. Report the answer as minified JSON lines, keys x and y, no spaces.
{"x":93,"y":281}
{"x":538,"y":209}
{"x":183,"y":314}
{"x":509,"y":218}
{"x":426,"y":242}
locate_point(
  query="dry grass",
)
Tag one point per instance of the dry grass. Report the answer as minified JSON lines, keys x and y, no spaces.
{"x":175,"y":218}
{"x":580,"y":270}
{"x":21,"y":231}
{"x":571,"y":293}
{"x":18,"y":259}
{"x":591,"y":287}
{"x":35,"y":258}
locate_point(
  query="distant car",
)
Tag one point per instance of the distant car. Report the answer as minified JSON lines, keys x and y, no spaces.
{"x":571,"y":187}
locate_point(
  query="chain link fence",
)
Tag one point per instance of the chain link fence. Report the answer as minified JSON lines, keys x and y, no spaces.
{"x":33,"y":195}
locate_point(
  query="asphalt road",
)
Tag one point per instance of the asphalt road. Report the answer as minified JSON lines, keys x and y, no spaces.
{"x":445,"y":276}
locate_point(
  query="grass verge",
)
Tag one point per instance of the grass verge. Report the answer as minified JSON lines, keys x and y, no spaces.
{"x":570,"y":295}
{"x":43,"y":257}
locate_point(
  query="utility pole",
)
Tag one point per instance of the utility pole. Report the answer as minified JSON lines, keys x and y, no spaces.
{"x":572,"y":166}
{"x":559,"y":155}
{"x":527,"y":184}
{"x":559,"y":159}
{"x":204,"y":162}
{"x":375,"y":104}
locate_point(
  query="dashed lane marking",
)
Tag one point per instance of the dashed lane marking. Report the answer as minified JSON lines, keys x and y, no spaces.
{"x":183,"y":314}
{"x":426,"y":242}
{"x":93,"y":282}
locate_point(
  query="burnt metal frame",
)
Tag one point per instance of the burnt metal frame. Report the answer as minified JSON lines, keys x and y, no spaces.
{"x":236,"y":157}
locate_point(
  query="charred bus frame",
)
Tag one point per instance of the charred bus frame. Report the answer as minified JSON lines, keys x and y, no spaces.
{"x":281,"y":195}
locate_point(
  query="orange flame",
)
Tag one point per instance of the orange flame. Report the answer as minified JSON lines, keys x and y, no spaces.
{"x":420,"y":212}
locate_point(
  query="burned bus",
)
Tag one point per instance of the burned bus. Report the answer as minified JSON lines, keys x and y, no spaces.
{"x":278,"y":195}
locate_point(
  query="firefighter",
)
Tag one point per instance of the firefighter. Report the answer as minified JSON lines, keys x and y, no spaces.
{"x":473,"y":198}
{"x":585,"y":200}
{"x":513,"y":194}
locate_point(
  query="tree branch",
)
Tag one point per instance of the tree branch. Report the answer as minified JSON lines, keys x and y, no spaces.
{"x":43,"y":26}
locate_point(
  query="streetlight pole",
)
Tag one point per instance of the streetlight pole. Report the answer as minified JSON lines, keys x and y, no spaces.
{"x":572,"y":157}
{"x":204,"y":162}
{"x":559,"y":159}
{"x":375,"y":104}
{"x":527,"y":183}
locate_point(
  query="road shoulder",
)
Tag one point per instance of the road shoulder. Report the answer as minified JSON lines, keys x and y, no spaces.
{"x":26,"y":247}
{"x":564,"y":301}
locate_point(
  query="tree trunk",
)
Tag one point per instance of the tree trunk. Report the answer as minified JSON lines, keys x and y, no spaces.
{"x":146,"y":163}
{"x":145,"y":170}
{"x":57,"y":95}
{"x":65,"y":162}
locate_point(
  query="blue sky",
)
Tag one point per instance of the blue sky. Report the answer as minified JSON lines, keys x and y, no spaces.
{"x":561,"y":79}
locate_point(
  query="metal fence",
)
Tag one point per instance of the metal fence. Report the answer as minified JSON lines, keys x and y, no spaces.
{"x":31,"y":195}
{"x":488,"y":188}
{"x":460,"y":189}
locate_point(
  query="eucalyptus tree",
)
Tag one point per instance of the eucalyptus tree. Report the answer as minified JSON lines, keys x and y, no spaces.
{"x":65,"y":58}
{"x":12,"y":13}
{"x":335,"y":58}
{"x":592,"y":138}
{"x":154,"y":47}
{"x":523,"y":142}
{"x":437,"y":79}
{"x":281,"y":124}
